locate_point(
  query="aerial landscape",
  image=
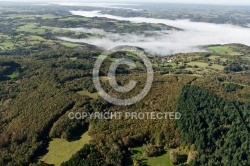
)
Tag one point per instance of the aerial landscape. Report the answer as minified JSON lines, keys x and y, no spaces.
{"x":125,"y":83}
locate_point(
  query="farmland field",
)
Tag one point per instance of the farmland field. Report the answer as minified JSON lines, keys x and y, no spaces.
{"x":224,"y":50}
{"x":91,"y":95}
{"x":61,"y":150}
{"x":70,"y":45}
{"x":199,"y":64}
{"x":31,"y":28}
{"x":163,"y":160}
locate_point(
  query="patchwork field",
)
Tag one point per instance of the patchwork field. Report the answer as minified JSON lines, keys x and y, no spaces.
{"x":31,"y":28}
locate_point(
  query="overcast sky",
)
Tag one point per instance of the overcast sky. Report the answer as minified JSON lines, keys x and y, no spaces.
{"x":225,"y":2}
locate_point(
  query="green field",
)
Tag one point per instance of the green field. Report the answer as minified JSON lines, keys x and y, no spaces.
{"x":70,"y":45}
{"x":132,"y":55}
{"x":48,"y":16}
{"x":170,"y":64}
{"x":163,"y":160}
{"x":224,"y":50}
{"x":91,"y":95}
{"x":38,"y":38}
{"x":101,"y":57}
{"x":55,"y":29}
{"x":217,"y":67}
{"x":61,"y":150}
{"x":75,"y":18}
{"x":104,"y":78}
{"x":199,"y":64}
{"x":13,"y":75}
{"x":11,"y":42}
{"x":73,"y":58}
{"x":31,"y":28}
{"x":4,"y":36}
{"x":92,"y":35}
{"x":213,"y":57}
{"x":6,"y":45}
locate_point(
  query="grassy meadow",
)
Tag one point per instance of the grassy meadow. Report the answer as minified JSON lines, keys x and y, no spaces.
{"x":163,"y":160}
{"x":61,"y":150}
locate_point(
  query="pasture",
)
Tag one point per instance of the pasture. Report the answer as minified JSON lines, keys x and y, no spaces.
{"x":224,"y":50}
{"x":86,"y":93}
{"x":61,"y":150}
{"x":163,"y":160}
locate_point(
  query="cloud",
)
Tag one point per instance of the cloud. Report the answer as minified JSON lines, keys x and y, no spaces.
{"x":194,"y":34}
{"x":159,"y":44}
{"x":85,"y":30}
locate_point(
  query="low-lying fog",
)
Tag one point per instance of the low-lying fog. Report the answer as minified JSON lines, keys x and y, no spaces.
{"x":194,"y":34}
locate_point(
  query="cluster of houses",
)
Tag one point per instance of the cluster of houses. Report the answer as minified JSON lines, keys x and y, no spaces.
{"x":168,"y":59}
{"x":171,"y":59}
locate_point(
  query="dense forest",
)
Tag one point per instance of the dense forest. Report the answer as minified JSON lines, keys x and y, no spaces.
{"x":218,"y":128}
